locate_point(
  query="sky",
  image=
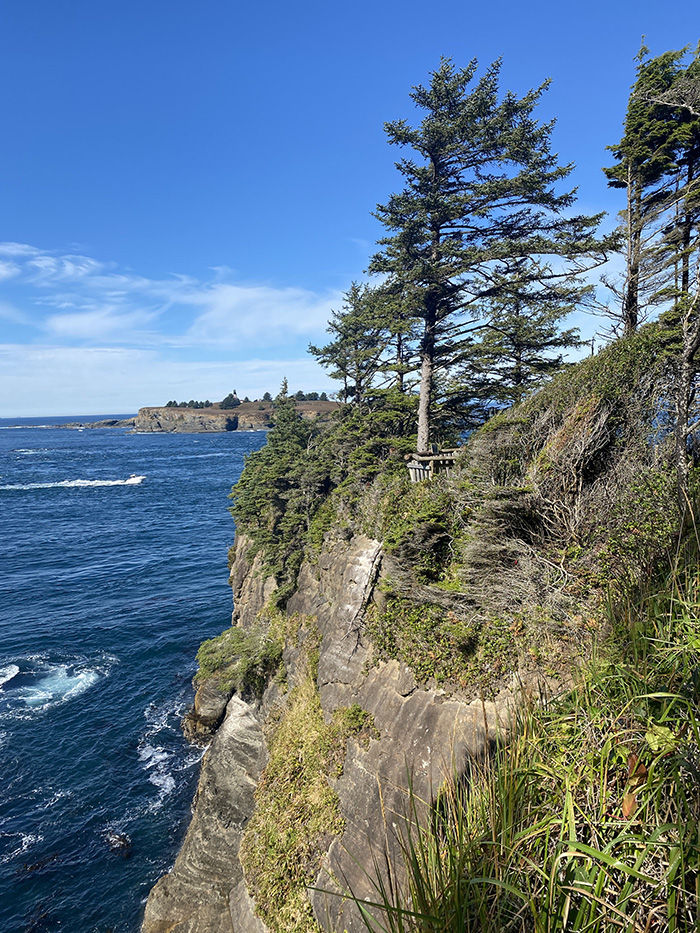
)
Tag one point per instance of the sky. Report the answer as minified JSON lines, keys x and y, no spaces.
{"x":186,"y":189}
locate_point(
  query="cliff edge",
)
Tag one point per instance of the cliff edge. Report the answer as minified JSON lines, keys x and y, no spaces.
{"x":417,"y":733}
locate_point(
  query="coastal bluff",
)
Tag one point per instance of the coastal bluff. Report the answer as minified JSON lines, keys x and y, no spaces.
{"x":416,"y":730}
{"x":248,"y":416}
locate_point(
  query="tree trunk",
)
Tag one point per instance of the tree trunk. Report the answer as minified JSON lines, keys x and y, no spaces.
{"x":630,"y":309}
{"x":683,"y":388}
{"x":427,"y":357}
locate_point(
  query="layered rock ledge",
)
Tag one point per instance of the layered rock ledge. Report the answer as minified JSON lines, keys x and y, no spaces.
{"x":424,"y":735}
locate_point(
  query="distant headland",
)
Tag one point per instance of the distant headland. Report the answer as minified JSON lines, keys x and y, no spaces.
{"x":231,"y":414}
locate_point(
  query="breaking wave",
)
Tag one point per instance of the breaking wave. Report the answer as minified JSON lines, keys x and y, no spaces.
{"x":7,"y":673}
{"x":79,"y":483}
{"x":38,"y":684}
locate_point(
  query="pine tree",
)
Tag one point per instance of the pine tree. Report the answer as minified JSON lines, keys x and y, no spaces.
{"x":518,"y":345}
{"x":363,"y":331}
{"x":645,"y":157}
{"x":477,"y":198}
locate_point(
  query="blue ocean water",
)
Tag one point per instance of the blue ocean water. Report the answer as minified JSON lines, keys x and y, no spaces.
{"x":113,"y":570}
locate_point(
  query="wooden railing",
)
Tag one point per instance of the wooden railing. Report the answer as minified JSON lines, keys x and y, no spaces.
{"x":427,"y":466}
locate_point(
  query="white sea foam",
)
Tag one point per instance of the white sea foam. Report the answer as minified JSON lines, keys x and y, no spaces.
{"x":58,"y":795}
{"x":26,"y":841}
{"x":78,"y":483}
{"x":29,"y":450}
{"x":7,"y":673}
{"x":58,"y":686}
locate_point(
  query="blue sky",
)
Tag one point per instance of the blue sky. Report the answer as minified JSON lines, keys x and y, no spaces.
{"x":187,"y":189}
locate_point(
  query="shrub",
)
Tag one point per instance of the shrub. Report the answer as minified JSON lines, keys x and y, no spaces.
{"x":240,"y":659}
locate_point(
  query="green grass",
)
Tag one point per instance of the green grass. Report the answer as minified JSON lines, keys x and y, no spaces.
{"x":296,"y":808}
{"x":587,"y":817}
{"x":241,"y":659}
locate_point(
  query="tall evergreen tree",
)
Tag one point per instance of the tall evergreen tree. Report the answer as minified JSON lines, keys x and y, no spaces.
{"x":519,"y":343}
{"x":477,"y":198}
{"x":371,"y":336}
{"x":644,"y":158}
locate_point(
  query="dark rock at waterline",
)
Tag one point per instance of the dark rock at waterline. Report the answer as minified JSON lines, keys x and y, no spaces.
{"x":119,"y":843}
{"x":30,"y":867}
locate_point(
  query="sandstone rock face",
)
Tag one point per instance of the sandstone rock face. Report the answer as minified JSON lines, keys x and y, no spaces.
{"x":252,"y":586}
{"x":206,"y":715}
{"x":248,"y":416}
{"x":194,"y":896}
{"x":424,"y":735}
{"x":198,"y":420}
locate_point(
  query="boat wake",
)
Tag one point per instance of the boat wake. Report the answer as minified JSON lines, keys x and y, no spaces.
{"x":133,"y":480}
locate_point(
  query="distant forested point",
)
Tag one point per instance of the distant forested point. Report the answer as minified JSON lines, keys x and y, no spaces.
{"x":233,"y":401}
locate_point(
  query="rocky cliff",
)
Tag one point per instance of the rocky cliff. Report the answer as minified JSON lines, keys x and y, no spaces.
{"x":248,"y":416}
{"x":491,"y":577}
{"x":418,"y":734}
{"x":200,"y":420}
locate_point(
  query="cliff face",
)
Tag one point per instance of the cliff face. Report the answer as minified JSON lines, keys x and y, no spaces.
{"x":417,"y":731}
{"x":200,"y":420}
{"x":248,"y":416}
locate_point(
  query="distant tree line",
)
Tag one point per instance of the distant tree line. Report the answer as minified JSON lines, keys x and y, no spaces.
{"x":232,"y":400}
{"x":190,"y":404}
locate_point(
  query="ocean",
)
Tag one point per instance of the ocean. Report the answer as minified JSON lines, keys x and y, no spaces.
{"x":113,"y":554}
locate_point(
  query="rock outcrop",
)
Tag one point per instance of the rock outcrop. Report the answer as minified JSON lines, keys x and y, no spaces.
{"x":199,"y":420}
{"x":248,"y":416}
{"x":423,"y":735}
{"x":195,"y":895}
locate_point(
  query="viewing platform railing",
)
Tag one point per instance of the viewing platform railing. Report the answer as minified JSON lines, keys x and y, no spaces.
{"x":427,"y":466}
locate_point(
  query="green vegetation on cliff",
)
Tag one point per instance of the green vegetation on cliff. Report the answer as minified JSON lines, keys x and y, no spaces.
{"x":588,"y":817}
{"x":554,"y":538}
{"x":557,"y":526}
{"x":296,"y":807}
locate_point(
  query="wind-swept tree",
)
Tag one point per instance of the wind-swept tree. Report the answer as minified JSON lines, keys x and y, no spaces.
{"x":644,"y":161}
{"x":371,"y":334}
{"x":520,"y":342}
{"x":478,"y":197}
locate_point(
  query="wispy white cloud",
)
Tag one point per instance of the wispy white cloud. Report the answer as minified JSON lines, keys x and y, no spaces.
{"x":98,"y":338}
{"x":18,"y":249}
{"x":8,"y":270}
{"x":8,"y":312}
{"x":49,"y":380}
{"x":95,"y":301}
{"x":232,"y":313}
{"x":98,"y":324}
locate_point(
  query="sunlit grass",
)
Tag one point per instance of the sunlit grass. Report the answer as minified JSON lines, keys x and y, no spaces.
{"x":586,"y":817}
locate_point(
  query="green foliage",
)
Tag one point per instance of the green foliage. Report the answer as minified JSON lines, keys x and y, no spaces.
{"x":437,"y":644}
{"x":289,"y":490}
{"x":643,"y":522}
{"x":587,"y":818}
{"x":231,"y":401}
{"x":417,"y":526}
{"x":657,"y":165}
{"x":191,"y":404}
{"x":479,"y":215}
{"x":296,"y":808}
{"x":278,"y":492}
{"x":517,"y":347}
{"x":244,"y":660}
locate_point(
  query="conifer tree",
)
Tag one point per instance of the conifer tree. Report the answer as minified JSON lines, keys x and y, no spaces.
{"x":519,"y":343}
{"x":644,"y":160}
{"x":478,"y":196}
{"x":370,"y":340}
